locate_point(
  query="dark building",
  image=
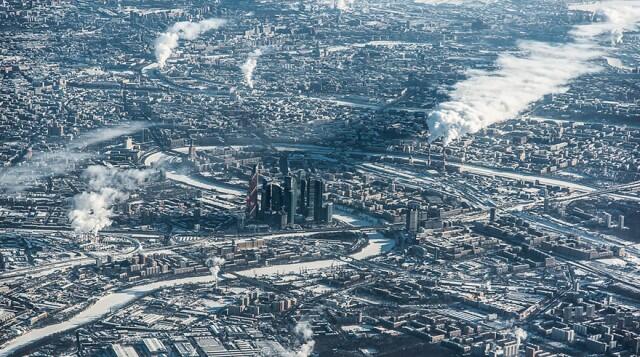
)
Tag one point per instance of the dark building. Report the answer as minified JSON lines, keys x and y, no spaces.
{"x":296,"y":195}
{"x":311,"y":196}
{"x":304,"y":196}
{"x":266,"y":197}
{"x":252,"y":194}
{"x":413,"y":213}
{"x":284,"y":164}
{"x":318,"y":200}
{"x":282,"y":215}
{"x":277,"y":202}
{"x":290,"y":198}
{"x":56,"y":130}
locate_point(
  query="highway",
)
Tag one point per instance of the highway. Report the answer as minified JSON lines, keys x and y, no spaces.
{"x":418,"y":160}
{"x":403,"y":176}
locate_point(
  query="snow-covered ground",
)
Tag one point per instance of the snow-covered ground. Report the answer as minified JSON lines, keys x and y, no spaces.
{"x":377,"y":245}
{"x":354,"y":219}
{"x":160,"y":157}
{"x":114,"y":301}
{"x":100,"y":308}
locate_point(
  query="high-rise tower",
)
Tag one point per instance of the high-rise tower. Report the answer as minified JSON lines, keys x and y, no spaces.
{"x":252,"y":194}
{"x":318,"y":201}
{"x":290,"y":198}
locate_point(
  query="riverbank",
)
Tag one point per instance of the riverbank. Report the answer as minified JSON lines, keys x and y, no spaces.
{"x":117,"y":300}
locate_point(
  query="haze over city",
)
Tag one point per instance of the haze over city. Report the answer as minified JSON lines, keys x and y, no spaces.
{"x":320,"y":178}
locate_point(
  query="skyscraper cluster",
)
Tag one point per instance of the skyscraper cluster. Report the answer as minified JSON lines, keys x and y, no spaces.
{"x":296,"y":199}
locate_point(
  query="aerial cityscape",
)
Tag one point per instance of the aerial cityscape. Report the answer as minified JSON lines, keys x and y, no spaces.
{"x":320,"y":178}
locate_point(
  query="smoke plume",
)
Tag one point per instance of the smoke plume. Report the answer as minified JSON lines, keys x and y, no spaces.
{"x":520,"y":334}
{"x":344,"y":4}
{"x":184,"y":30}
{"x":92,"y":210}
{"x":48,"y":164}
{"x":249,"y":66}
{"x":305,"y":333}
{"x":454,"y":2}
{"x":214,"y":265}
{"x":105,"y":134}
{"x":337,"y":4}
{"x":523,"y":78}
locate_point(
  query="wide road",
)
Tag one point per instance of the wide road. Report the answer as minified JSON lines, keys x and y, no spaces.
{"x":322,"y":150}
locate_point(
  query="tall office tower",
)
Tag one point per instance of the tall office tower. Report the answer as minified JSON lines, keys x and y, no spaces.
{"x":265,"y":205}
{"x":329,"y":212}
{"x":277,"y":201}
{"x":252,"y":194}
{"x":282,"y":219}
{"x":413,"y":213}
{"x":607,"y":219}
{"x":311,"y":196}
{"x":240,"y":217}
{"x":303,"y":195}
{"x":284,"y":164}
{"x":290,"y":198}
{"x":318,"y":201}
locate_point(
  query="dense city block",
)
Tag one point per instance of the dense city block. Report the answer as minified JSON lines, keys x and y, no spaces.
{"x":320,"y":178}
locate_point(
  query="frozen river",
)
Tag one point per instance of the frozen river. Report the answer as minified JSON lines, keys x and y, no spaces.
{"x":161,"y":157}
{"x":116,"y":300}
{"x":100,"y":308}
{"x":377,"y":245}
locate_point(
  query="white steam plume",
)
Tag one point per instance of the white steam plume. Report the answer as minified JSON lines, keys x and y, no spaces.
{"x":305,"y":333}
{"x":454,"y":2}
{"x":92,"y":210}
{"x":105,"y":134}
{"x":47,"y":164}
{"x":249,"y":66}
{"x":214,"y":265}
{"x":616,"y":37}
{"x":344,"y":4}
{"x":611,"y":18}
{"x":489,"y":97}
{"x":184,"y":30}
{"x":520,"y":334}
{"x":337,"y":4}
{"x":522,"y":79}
